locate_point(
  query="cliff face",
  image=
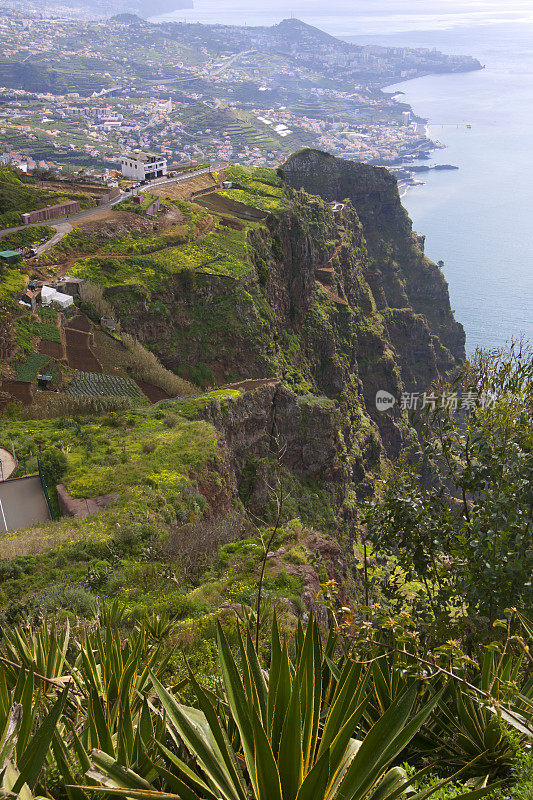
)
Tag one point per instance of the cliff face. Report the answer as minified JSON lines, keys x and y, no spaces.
{"x":400,"y":275}
{"x":338,"y":303}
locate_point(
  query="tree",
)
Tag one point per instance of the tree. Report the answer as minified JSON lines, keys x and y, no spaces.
{"x":469,"y":537}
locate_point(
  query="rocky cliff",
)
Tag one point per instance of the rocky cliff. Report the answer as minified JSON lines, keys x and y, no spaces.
{"x":339,"y":300}
{"x":324,"y":302}
{"x":398,"y":272}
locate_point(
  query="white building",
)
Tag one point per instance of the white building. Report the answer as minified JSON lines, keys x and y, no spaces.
{"x":50,"y":295}
{"x":143,"y":166}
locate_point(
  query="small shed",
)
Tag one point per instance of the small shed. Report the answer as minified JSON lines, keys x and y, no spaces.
{"x":28,"y":298}
{"x":44,"y":381}
{"x":71,"y":286}
{"x":9,"y":257}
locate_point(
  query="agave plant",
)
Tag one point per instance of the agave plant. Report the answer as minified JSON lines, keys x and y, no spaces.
{"x":22,"y":755}
{"x":468,"y":726}
{"x":286,"y":734}
{"x":43,"y":649}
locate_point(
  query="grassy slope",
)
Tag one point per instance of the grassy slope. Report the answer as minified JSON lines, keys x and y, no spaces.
{"x":170,"y":474}
{"x":150,"y":261}
{"x":18,"y":196}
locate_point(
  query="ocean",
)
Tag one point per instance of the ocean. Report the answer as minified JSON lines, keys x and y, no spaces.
{"x":478,"y":220}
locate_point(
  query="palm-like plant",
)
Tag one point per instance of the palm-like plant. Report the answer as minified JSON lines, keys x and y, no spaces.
{"x":289,"y":734}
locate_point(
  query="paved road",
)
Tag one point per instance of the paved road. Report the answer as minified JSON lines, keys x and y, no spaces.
{"x":56,"y":224}
{"x":22,"y":503}
{"x":61,"y":230}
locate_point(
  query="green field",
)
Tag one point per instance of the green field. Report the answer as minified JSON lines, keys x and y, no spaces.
{"x":27,"y":370}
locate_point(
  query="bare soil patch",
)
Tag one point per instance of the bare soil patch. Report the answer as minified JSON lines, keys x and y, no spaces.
{"x":80,"y":323}
{"x":120,"y":222}
{"x":52,"y":349}
{"x":153,"y":393}
{"x":218,"y":204}
{"x":79,"y":353}
{"x":185,"y":189}
{"x":18,"y":390}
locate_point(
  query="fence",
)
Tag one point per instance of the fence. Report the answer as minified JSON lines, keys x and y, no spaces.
{"x":45,"y":491}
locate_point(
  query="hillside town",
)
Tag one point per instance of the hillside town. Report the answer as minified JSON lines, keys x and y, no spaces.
{"x":79,"y":95}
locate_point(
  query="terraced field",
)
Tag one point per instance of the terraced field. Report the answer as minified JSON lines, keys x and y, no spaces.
{"x":93,"y":384}
{"x":27,"y":370}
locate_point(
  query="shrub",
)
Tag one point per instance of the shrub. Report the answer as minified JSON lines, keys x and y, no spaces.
{"x":53,"y":465}
{"x":93,"y":295}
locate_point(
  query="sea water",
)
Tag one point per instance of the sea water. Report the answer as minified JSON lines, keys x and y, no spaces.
{"x":479,"y":219}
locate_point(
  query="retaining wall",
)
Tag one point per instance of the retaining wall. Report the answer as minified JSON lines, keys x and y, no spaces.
{"x":51,"y":212}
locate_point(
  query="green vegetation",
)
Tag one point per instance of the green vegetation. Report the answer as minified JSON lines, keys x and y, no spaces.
{"x":19,"y":194}
{"x":28,"y":369}
{"x":222,"y":252}
{"x":53,"y":464}
{"x":234,"y":513}
{"x":469,"y":542}
{"x":258,"y":187}
{"x":26,"y":237}
{"x":12,"y":281}
{"x":303,"y":718}
{"x":29,"y":326}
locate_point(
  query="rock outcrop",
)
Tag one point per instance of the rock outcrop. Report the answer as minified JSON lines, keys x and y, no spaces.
{"x":399,"y":274}
{"x":340,"y":302}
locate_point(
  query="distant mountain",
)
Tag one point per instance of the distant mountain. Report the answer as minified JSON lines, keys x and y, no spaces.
{"x":105,"y":8}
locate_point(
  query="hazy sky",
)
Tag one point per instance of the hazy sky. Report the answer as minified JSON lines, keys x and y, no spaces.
{"x":362,"y":15}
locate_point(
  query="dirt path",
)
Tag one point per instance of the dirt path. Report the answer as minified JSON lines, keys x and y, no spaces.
{"x":7,"y":464}
{"x":61,"y":231}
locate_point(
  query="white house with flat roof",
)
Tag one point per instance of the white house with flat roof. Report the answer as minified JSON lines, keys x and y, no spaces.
{"x":139,"y":166}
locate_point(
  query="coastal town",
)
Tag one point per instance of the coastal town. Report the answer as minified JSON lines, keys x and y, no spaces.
{"x":76,"y":96}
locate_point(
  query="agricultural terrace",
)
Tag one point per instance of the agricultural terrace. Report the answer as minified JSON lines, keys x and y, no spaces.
{"x":203,"y":244}
{"x":217,"y":251}
{"x":20,"y":193}
{"x":259,"y":187}
{"x":94,"y":384}
{"x":28,"y":327}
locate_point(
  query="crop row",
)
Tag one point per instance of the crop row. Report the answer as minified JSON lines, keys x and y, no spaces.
{"x":92,"y":384}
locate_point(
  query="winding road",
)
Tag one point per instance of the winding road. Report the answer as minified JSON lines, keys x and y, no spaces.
{"x":65,"y":224}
